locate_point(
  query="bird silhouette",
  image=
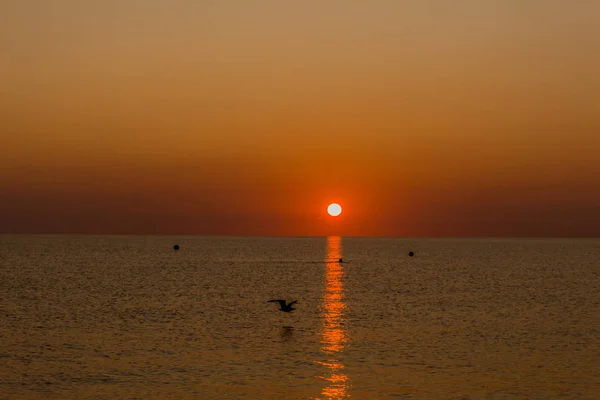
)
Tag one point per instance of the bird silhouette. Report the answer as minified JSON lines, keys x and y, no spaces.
{"x":284,"y":307}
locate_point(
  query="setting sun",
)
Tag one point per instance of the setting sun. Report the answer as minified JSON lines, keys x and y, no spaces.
{"x":334,"y":209}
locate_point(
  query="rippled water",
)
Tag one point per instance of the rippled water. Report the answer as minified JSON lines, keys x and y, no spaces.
{"x":126,"y":317}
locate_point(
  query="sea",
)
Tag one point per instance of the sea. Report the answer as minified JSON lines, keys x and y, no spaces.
{"x":130,"y":317}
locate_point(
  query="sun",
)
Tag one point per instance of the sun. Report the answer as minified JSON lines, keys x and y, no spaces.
{"x":334,"y":209}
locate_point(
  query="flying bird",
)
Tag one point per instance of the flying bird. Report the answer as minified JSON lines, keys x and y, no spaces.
{"x":284,"y":307}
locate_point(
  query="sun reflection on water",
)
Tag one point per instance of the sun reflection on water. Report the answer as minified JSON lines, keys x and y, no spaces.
{"x":334,"y":336}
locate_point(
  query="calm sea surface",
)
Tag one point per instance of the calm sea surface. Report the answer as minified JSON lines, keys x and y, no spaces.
{"x":127,"y":317}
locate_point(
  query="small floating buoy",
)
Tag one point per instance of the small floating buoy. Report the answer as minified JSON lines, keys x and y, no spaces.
{"x":410,"y":254}
{"x":176,"y":247}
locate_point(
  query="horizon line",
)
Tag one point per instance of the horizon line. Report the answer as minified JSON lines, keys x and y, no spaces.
{"x":293,"y":236}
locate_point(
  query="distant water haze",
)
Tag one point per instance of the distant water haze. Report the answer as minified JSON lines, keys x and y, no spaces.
{"x":87,"y":317}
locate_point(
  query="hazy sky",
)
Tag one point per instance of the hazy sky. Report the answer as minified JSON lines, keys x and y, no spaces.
{"x":459,"y":118}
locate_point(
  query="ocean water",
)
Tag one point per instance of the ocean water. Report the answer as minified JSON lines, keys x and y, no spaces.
{"x":127,"y":317}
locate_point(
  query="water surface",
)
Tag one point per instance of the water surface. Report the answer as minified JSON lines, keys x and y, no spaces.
{"x":128,"y":317}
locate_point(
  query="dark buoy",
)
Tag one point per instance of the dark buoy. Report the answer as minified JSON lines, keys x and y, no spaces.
{"x":341,"y":260}
{"x":410,"y":254}
{"x":176,"y":247}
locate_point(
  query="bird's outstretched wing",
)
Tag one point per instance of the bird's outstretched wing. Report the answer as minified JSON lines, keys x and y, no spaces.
{"x":293,"y":302}
{"x":281,"y":302}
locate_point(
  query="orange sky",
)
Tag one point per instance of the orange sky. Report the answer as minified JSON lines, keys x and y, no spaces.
{"x":422,"y":118}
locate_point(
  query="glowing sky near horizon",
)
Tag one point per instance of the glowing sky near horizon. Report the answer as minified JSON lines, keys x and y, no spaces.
{"x":432,"y":118}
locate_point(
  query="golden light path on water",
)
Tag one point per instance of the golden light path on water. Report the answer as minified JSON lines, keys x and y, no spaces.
{"x":334,"y":336}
